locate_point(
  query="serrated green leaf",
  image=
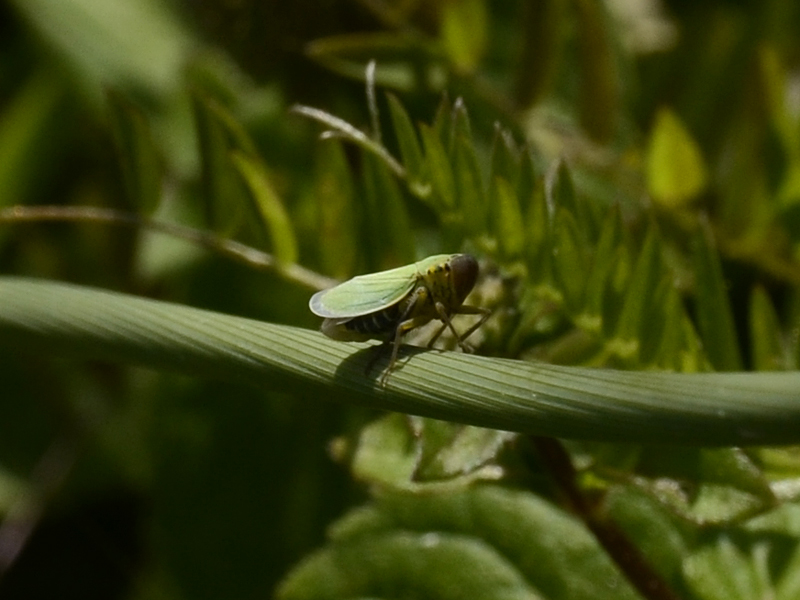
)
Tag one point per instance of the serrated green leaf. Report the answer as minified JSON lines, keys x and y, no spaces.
{"x":139,"y":158}
{"x":464,"y":32}
{"x":386,"y":453}
{"x":507,"y":220}
{"x":458,"y":451}
{"x":713,"y":309}
{"x":418,"y":455}
{"x":410,"y":149}
{"x":407,"y":564}
{"x":440,"y":170}
{"x":267,"y":207}
{"x":652,"y":527}
{"x":676,"y":171}
{"x":550,"y":548}
{"x":767,"y":348}
{"x":722,"y":571}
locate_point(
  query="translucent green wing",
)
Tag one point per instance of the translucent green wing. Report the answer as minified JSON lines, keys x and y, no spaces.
{"x":369,"y":293}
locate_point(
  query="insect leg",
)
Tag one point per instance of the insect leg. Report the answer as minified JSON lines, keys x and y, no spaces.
{"x":473,"y":310}
{"x":405,"y":324}
{"x":462,"y":310}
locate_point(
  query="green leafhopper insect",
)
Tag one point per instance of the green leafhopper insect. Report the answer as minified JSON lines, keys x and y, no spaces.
{"x":388,"y":304}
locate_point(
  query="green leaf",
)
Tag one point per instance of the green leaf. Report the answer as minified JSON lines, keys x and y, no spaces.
{"x":461,"y":127}
{"x":714,"y":314}
{"x":403,"y":62}
{"x":458,"y":451}
{"x":225,"y":194}
{"x":767,"y":346}
{"x":406,"y":565}
{"x":268,"y":208}
{"x":422,"y":455}
{"x":600,"y":80}
{"x":702,"y":409}
{"x":598,"y":284}
{"x":680,"y":348}
{"x":410,"y":149}
{"x":722,"y":571}
{"x":464,"y":32}
{"x":335,"y":199}
{"x":634,"y":320}
{"x":141,"y":164}
{"x":508,"y":223}
{"x":104,"y":41}
{"x":569,"y":261}
{"x":676,"y":171}
{"x":551,"y":549}
{"x":441,"y":172}
{"x":389,"y":227}
{"x":506,"y":157}
{"x":469,"y":187}
{"x":538,"y":250}
{"x":29,"y":126}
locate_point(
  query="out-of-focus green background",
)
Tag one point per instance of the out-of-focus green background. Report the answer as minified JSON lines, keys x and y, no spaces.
{"x":680,"y":117}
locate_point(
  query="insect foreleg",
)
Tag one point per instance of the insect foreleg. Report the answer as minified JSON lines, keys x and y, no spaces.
{"x":446,"y":322}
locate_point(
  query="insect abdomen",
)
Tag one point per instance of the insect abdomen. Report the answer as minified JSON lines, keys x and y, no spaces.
{"x":377,"y":323}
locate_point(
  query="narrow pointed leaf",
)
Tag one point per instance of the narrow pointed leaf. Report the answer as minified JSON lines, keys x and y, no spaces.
{"x":389,"y":226}
{"x":141,"y":164}
{"x":714,"y":314}
{"x":440,"y":170}
{"x":569,"y":261}
{"x":410,"y":149}
{"x":267,"y":207}
{"x":470,"y":189}
{"x":335,"y":198}
{"x":507,"y":219}
{"x":224,"y":192}
{"x":767,"y":348}
{"x":636,"y":309}
{"x":506,"y":156}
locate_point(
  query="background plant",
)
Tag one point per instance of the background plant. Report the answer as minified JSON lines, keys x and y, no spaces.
{"x":629,"y":175}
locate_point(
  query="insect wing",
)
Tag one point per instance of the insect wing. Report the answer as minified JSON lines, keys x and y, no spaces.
{"x":364,"y":294}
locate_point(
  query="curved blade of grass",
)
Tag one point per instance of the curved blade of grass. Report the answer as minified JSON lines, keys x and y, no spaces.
{"x":570,"y":402}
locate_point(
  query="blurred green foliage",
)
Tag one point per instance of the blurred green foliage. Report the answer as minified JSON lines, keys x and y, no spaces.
{"x":628,"y":173}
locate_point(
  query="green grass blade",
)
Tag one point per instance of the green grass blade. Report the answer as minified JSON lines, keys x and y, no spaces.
{"x":600,"y":404}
